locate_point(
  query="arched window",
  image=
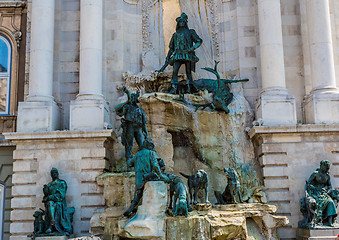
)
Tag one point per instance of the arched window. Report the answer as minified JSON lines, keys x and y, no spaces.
{"x":2,"y":208}
{"x":5,"y":74}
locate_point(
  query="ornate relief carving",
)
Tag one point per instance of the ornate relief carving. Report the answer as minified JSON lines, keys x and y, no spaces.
{"x":10,"y":19}
{"x":214,"y":23}
{"x":18,"y":36}
{"x":147,"y":5}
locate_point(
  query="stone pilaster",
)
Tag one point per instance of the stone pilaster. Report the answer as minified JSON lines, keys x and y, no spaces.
{"x":79,"y":156}
{"x":39,"y":112}
{"x":89,"y":110}
{"x":322,"y":104}
{"x":275,"y":105}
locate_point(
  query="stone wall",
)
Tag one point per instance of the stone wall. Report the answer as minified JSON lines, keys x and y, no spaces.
{"x":335,"y":28}
{"x":288,"y":156}
{"x":291,"y":27}
{"x":66,"y":54}
{"x":66,"y":66}
{"x":80,"y":157}
{"x":238,"y":41}
{"x":122,"y":45}
{"x":135,"y":40}
{"x":6,"y":171}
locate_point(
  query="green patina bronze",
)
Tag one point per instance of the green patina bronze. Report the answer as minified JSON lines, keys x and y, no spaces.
{"x":146,"y":165}
{"x":58,"y":217}
{"x":222,"y":95}
{"x":133,"y":124}
{"x":319,"y":205}
{"x":181,"y":51}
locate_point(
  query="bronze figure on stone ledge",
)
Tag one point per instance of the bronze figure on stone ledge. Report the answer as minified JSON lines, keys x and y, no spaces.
{"x":319,"y":205}
{"x":146,"y":165}
{"x":181,"y":51}
{"x":58,"y":217}
{"x":133,"y":124}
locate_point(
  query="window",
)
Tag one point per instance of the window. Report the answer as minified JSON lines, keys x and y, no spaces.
{"x":2,"y":208}
{"x":5,"y":74}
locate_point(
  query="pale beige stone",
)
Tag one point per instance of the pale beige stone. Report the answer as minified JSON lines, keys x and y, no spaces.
{"x":149,"y":221}
{"x":71,"y":154}
{"x":289,"y":155}
{"x":317,"y":234}
{"x":50,"y":238}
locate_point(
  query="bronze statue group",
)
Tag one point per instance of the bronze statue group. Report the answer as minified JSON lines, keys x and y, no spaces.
{"x":318,"y":207}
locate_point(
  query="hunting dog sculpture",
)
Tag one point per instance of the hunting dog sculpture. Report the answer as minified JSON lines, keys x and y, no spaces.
{"x":196,"y":182}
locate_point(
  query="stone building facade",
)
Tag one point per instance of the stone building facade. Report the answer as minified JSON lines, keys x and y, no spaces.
{"x":68,"y":60}
{"x":12,"y":54}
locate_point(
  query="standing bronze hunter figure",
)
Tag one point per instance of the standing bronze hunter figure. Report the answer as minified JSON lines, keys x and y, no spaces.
{"x":181,"y":51}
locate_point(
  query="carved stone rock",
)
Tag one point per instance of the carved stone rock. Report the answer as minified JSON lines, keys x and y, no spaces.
{"x":149,"y":221}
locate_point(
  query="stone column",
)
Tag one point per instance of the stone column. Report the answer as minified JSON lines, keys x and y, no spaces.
{"x":322,"y":105}
{"x":39,"y":112}
{"x":89,"y":110}
{"x":275,"y":106}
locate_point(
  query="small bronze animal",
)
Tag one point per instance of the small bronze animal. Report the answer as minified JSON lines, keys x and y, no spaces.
{"x":181,"y":198}
{"x":39,"y":222}
{"x":196,"y":182}
{"x":232,"y":191}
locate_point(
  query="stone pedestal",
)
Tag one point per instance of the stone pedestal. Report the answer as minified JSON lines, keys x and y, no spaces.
{"x":79,"y":156}
{"x":40,"y":116}
{"x":149,"y":221}
{"x":322,"y":108}
{"x":288,"y":155}
{"x":89,"y":114}
{"x":277,"y":108}
{"x":49,"y":238}
{"x":317,"y":234}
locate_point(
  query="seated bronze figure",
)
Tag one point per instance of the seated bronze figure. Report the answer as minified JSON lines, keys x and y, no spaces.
{"x":58,"y":217}
{"x":319,"y":205}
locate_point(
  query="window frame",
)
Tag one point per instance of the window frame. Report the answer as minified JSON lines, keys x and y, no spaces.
{"x":8,"y":74}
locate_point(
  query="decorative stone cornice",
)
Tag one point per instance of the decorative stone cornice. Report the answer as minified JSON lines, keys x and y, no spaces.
{"x":11,"y":4}
{"x":299,"y":129}
{"x":60,"y":135}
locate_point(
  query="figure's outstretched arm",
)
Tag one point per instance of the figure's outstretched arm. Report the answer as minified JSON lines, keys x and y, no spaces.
{"x":119,"y":109}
